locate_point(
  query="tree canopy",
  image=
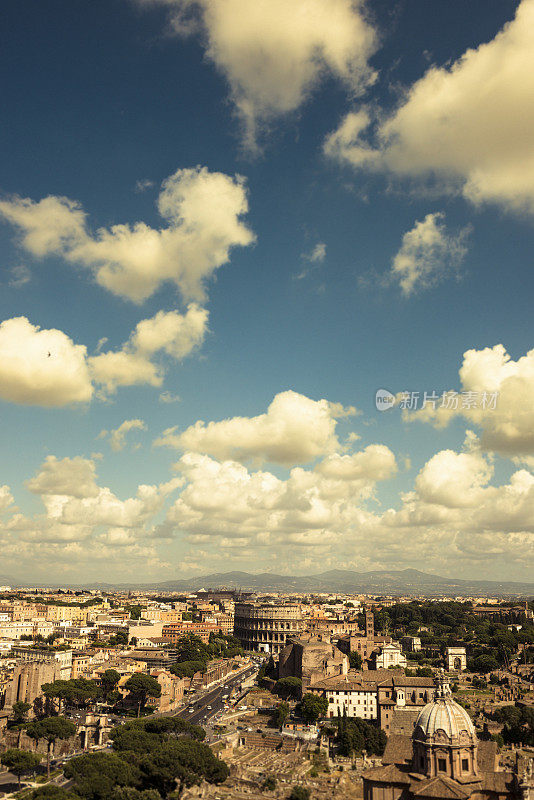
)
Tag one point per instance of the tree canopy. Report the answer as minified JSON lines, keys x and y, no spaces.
{"x":20,"y":762}
{"x":288,"y":687}
{"x":141,"y":687}
{"x":151,"y":758}
{"x":311,"y":707}
{"x":51,"y":729}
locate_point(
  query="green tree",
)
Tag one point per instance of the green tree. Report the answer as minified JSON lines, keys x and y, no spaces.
{"x":51,"y":791}
{"x":130,"y":793}
{"x":51,"y":729}
{"x":20,"y":710}
{"x":281,"y":714}
{"x":288,"y":687}
{"x":299,"y":793}
{"x":108,"y":681}
{"x":183,"y":762}
{"x":355,"y":660}
{"x":483,"y":664}
{"x":355,"y":735}
{"x":95,"y":775}
{"x":142,"y":686}
{"x":186,"y":669}
{"x":269,"y":784}
{"x":59,"y":690}
{"x":311,"y":707}
{"x":191,"y":648}
{"x":20,"y":762}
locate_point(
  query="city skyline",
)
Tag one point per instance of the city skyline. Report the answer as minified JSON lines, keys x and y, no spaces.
{"x":231,"y":235}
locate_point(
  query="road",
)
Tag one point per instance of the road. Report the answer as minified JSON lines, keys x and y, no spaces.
{"x":203,"y":709}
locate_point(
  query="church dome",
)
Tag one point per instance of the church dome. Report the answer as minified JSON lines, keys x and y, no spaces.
{"x":444,"y":714}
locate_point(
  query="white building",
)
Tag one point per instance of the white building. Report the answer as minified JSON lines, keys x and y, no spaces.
{"x":389,"y":655}
{"x":347,"y":696}
{"x":456,"y":659}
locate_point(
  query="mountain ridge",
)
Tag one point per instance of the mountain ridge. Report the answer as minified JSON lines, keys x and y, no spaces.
{"x":389,"y":582}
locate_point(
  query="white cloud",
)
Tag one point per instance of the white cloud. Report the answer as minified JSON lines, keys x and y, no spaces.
{"x":41,"y":367}
{"x":6,"y":498}
{"x":273,"y":53}
{"x":501,"y":404}
{"x":173,"y":333}
{"x":376,"y":462}
{"x":315,"y":258}
{"x":177,"y":335}
{"x":65,"y":476}
{"x":469,"y":124}
{"x":317,"y":255}
{"x":294,"y":430}
{"x":203,"y":213}
{"x":117,"y":436}
{"x":427,"y":255}
{"x":453,"y":480}
{"x":45,"y":367}
{"x":77,"y":509}
{"x":453,"y":519}
{"x":225,"y":499}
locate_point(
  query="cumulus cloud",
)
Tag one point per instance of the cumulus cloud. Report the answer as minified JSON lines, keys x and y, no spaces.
{"x":77,"y":508}
{"x":65,"y":476}
{"x":41,"y":367}
{"x":427,"y":255}
{"x":496,"y":395}
{"x":468,"y":124}
{"x":322,"y":516}
{"x":168,"y":332}
{"x":310,"y":507}
{"x":45,"y":367}
{"x":376,"y":463}
{"x":453,"y":497}
{"x":295,"y":429}
{"x":454,"y":518}
{"x":202,"y":211}
{"x":117,"y":436}
{"x":6,"y":498}
{"x":274,"y":53}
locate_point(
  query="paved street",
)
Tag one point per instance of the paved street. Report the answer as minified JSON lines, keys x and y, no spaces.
{"x":206,"y":707}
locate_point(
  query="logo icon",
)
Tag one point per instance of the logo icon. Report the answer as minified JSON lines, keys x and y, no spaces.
{"x":384,"y":400}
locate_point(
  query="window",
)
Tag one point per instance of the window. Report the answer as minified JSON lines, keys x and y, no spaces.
{"x":442,"y":765}
{"x":465,"y":765}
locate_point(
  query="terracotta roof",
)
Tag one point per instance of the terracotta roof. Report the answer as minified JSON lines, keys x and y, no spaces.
{"x":344,"y":683}
{"x":487,"y":754}
{"x":398,"y":750}
{"x":408,"y":680}
{"x":498,"y":781}
{"x":390,"y":773}
{"x":441,"y":788}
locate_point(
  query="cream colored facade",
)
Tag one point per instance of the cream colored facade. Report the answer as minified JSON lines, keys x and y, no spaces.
{"x":263,"y":627}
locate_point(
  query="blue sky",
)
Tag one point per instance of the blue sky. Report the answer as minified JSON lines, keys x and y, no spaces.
{"x":230,"y":224}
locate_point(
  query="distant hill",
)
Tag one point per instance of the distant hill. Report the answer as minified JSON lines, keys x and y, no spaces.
{"x":389,"y":582}
{"x":394,"y":582}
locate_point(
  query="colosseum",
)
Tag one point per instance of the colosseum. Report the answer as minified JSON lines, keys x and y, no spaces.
{"x":263,"y":627}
